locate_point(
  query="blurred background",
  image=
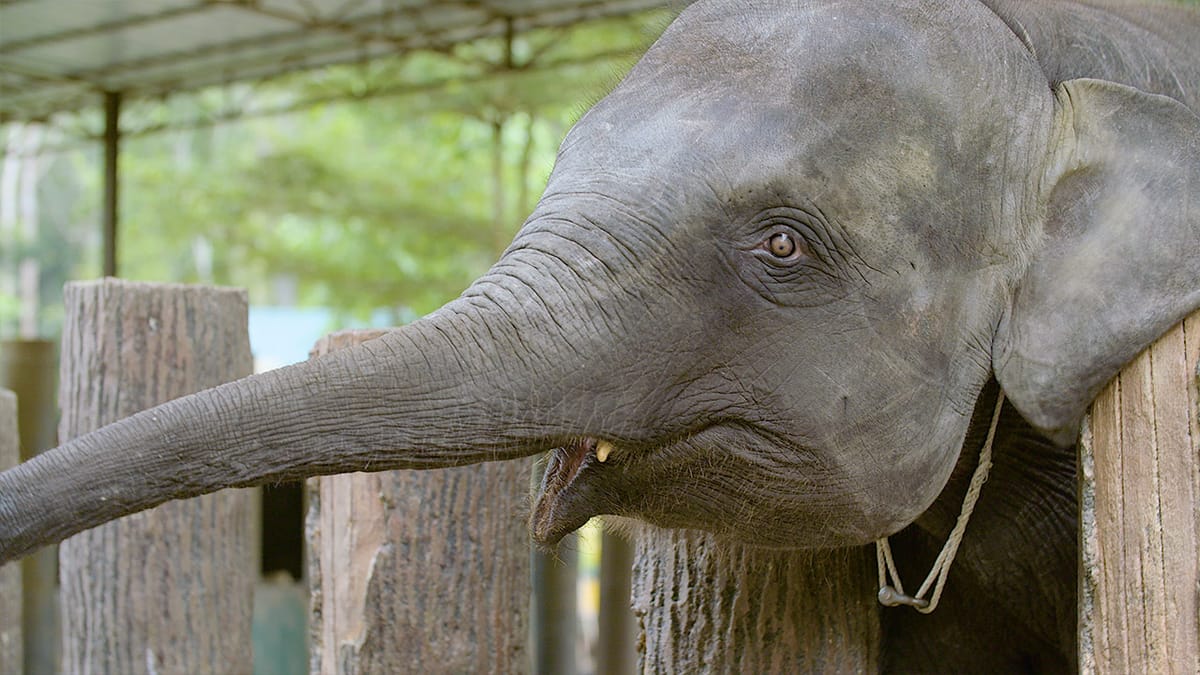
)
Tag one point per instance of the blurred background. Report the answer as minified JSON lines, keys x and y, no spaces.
{"x":362,"y":193}
{"x":351,"y":163}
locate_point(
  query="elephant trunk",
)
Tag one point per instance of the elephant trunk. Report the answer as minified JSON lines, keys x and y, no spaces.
{"x":428,"y":395}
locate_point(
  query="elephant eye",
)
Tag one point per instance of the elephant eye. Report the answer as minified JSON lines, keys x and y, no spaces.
{"x":781,"y":245}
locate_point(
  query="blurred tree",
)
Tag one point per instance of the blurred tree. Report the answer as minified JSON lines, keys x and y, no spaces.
{"x":396,"y":188}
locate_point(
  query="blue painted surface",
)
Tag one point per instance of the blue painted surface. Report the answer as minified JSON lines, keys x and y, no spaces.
{"x":280,"y":627}
{"x":283,"y":335}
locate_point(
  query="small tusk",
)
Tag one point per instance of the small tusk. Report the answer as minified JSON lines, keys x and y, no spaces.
{"x":603,"y":450}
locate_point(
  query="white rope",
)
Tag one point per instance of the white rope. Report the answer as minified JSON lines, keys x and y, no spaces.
{"x":892,"y":595}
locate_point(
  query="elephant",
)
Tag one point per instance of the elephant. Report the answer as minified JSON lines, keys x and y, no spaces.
{"x":776,"y":284}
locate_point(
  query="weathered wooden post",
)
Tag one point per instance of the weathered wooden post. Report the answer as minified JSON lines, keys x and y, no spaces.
{"x":616,"y":644}
{"x":30,"y":369}
{"x":168,"y":590}
{"x":11,"y":650}
{"x":554,"y":616}
{"x":419,"y":571}
{"x":706,"y":607}
{"x":1140,"y":529}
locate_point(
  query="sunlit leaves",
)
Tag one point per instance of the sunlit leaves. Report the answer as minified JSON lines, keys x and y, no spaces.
{"x":384,"y":203}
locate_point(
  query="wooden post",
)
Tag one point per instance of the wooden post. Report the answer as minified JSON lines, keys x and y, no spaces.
{"x":1139,"y":595}
{"x":616,"y":643}
{"x":554,"y":614}
{"x":11,"y":651}
{"x":419,"y":571}
{"x":30,"y":369}
{"x":554,"y":621}
{"x":168,"y":590}
{"x":706,"y":607}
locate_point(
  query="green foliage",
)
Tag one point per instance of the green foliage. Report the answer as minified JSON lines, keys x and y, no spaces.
{"x":363,"y":213}
{"x":10,"y":308}
{"x":56,"y":244}
{"x":390,"y":202}
{"x":400,"y":186}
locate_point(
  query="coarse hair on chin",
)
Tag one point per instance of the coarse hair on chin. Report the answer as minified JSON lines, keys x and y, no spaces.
{"x":733,"y":554}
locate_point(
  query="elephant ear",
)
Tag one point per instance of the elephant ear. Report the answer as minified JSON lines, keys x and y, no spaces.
{"x":1118,"y":263}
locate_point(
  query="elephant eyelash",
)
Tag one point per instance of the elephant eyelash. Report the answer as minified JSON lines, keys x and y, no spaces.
{"x":795,"y":222}
{"x":781,"y":269}
{"x":832,"y":253}
{"x":814,"y":276}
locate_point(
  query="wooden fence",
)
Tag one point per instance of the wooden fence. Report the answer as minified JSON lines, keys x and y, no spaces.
{"x":419,"y":571}
{"x":167,"y":590}
{"x":1139,"y":587}
{"x":29,"y":368}
{"x":12,"y":653}
{"x":388,"y":594}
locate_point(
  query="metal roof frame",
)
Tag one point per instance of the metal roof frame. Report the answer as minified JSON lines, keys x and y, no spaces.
{"x":52,"y":60}
{"x":61,"y":56}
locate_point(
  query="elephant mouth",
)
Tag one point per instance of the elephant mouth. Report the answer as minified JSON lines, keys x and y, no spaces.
{"x":568,"y":496}
{"x":649,"y":479}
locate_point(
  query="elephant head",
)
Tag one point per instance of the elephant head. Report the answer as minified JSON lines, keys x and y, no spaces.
{"x":770,"y":275}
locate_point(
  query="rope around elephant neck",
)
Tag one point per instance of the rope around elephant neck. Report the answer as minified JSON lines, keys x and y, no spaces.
{"x":892,"y":595}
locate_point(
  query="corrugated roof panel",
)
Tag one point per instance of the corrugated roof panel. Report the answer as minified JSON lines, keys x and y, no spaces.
{"x":217,"y":67}
{"x":364,"y":11}
{"x":55,"y":55}
{"x":40,"y":102}
{"x":96,"y":57}
{"x":30,"y":21}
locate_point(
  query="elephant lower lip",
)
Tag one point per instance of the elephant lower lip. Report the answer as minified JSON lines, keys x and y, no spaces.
{"x":560,"y":508}
{"x":566,"y":462}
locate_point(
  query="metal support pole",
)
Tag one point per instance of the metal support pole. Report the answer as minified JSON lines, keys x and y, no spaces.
{"x":112,"y":142}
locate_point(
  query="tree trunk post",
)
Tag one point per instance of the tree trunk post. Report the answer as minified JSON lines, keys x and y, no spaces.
{"x":30,"y":369}
{"x":718,"y":608}
{"x":419,"y":571}
{"x":11,"y":649}
{"x":554,"y":615}
{"x":1139,"y":595}
{"x":168,"y":590}
{"x":616,"y":643}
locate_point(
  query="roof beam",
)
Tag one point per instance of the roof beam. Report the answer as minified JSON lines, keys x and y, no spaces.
{"x":37,"y":91}
{"x":426,"y":40}
{"x":395,"y":90}
{"x":100,"y":28}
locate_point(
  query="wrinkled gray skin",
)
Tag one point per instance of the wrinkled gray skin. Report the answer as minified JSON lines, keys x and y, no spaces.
{"x":968,"y":209}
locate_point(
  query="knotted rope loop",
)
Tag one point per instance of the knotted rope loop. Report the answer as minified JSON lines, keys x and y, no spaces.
{"x":892,"y":594}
